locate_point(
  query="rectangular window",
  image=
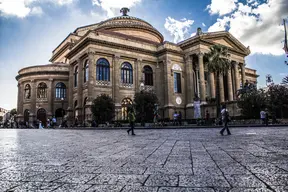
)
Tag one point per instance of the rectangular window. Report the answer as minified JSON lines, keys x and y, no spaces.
{"x":177,"y":83}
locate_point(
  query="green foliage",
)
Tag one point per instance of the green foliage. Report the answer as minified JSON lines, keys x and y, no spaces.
{"x":277,"y":99}
{"x":285,"y":80}
{"x":13,"y":112}
{"x":144,"y":104}
{"x":217,"y":62}
{"x":103,"y":108}
{"x":252,"y":102}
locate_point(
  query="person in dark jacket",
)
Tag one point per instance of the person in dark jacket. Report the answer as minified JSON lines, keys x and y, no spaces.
{"x":131,"y":118}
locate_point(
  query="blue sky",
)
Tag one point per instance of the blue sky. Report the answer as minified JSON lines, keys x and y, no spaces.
{"x":31,"y":29}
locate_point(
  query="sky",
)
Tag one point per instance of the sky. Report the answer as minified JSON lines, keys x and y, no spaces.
{"x":31,"y":29}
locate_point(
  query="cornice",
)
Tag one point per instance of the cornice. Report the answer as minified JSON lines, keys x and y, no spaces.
{"x":63,"y":49}
{"x":92,"y":41}
{"x":39,"y":73}
{"x":171,"y":51}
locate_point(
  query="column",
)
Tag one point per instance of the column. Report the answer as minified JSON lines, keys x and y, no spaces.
{"x":50,"y":98}
{"x":212,"y":85}
{"x":189,"y":79}
{"x":19,"y":99}
{"x":202,"y":78}
{"x":243,"y":73}
{"x":91,"y":77}
{"x":230,"y":88}
{"x":80,"y":89}
{"x":236,"y":72}
{"x":221,"y":88}
{"x":116,"y":79}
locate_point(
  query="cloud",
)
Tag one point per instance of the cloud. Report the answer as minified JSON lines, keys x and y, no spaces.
{"x":178,"y":29}
{"x":203,"y":24}
{"x":112,"y":6}
{"x":258,"y":27}
{"x":221,"y":7}
{"x":24,"y":8}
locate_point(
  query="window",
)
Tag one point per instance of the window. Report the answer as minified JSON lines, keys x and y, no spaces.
{"x":126,"y":73}
{"x":102,"y":70}
{"x":27,"y":91}
{"x":177,"y":82}
{"x":42,"y":91}
{"x":60,"y":90}
{"x":86,"y":71}
{"x":76,"y":76}
{"x":148,"y":75}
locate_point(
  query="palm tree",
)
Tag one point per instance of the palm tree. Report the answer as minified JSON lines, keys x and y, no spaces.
{"x":218,"y":62}
{"x":285,"y":80}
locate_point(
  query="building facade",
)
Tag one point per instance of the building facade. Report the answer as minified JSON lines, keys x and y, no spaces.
{"x":118,"y":55}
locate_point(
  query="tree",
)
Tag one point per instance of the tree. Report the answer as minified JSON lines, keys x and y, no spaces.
{"x":285,"y":80}
{"x":218,"y":63}
{"x":277,"y":99}
{"x":144,"y":104}
{"x":13,"y":112}
{"x":252,"y":102}
{"x":103,"y":108}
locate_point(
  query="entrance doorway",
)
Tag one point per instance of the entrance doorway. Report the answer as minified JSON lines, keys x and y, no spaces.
{"x":41,"y":115}
{"x":26,"y":116}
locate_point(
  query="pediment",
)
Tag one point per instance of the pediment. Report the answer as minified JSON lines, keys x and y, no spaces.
{"x":228,"y":40}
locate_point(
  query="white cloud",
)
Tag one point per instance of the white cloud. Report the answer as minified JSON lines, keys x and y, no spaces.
{"x":258,"y":27}
{"x":23,"y":8}
{"x":203,"y":24}
{"x":112,"y":7}
{"x":178,"y":29}
{"x":193,"y":34}
{"x":220,"y":25}
{"x":222,"y":7}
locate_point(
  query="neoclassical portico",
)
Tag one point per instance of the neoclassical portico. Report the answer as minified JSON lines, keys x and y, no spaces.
{"x":115,"y":56}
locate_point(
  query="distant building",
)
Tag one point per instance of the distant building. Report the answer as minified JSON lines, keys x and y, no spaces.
{"x":2,"y":112}
{"x":118,"y":55}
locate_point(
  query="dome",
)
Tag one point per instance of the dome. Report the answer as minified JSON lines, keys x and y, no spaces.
{"x":132,"y":26}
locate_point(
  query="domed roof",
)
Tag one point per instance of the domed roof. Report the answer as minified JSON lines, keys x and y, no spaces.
{"x":137,"y":27}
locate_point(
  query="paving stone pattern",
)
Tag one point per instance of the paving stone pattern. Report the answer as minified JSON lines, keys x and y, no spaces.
{"x":164,"y":160}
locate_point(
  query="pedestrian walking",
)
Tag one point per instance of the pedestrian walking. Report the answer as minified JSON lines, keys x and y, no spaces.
{"x":40,"y":125}
{"x":54,"y":122}
{"x":263,"y":116}
{"x":175,"y":118}
{"x":131,"y":118}
{"x":225,"y":119}
{"x":207,"y":117}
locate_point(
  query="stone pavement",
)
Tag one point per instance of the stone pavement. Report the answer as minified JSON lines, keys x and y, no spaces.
{"x":184,"y":160}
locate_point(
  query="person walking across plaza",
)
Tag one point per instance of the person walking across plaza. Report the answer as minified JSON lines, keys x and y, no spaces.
{"x":263,"y":116}
{"x":225,"y":120}
{"x":131,"y":118}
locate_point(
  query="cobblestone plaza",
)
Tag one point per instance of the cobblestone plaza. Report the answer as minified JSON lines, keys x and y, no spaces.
{"x":184,"y":160}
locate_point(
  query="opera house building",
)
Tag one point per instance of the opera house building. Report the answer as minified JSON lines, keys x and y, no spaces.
{"x":120,"y":56}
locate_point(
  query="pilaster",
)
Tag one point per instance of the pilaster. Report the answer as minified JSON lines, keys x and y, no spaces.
{"x":33,"y":97}
{"x":116,"y":79}
{"x":80,"y":89}
{"x":50,"y":98}
{"x":189,"y":80}
{"x":202,"y":77}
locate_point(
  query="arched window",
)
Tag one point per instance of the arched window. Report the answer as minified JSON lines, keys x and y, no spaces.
{"x":76,"y":76}
{"x":126,"y":102}
{"x":27,"y":91}
{"x":126,"y":73}
{"x":42,"y":90}
{"x":60,"y":90}
{"x":86,"y":71}
{"x":102,"y":70}
{"x":148,"y":75}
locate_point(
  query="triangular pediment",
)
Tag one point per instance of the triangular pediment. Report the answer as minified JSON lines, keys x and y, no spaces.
{"x":226,"y":39}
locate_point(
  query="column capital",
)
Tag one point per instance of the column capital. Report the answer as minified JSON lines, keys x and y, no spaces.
{"x":187,"y":57}
{"x":32,"y":80}
{"x":50,"y":79}
{"x":200,"y":54}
